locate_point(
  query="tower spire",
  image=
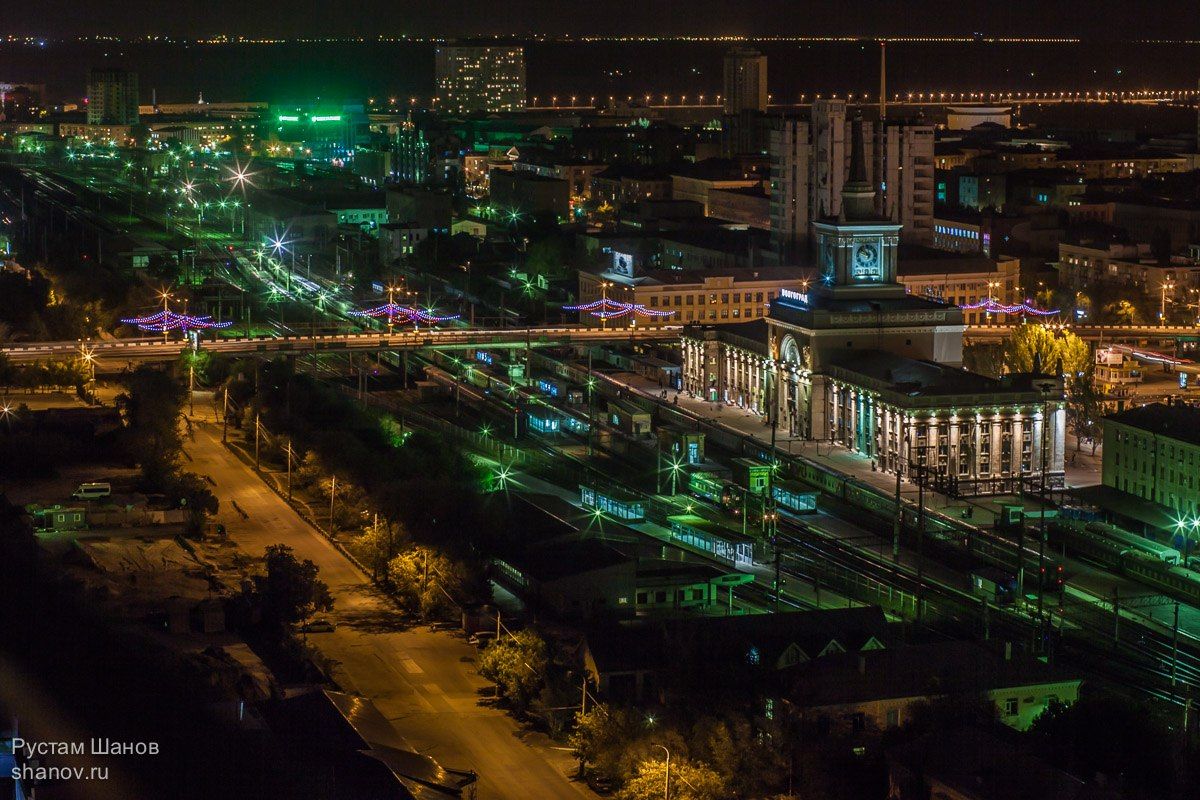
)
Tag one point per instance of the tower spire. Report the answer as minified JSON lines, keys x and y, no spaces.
{"x":858,"y":196}
{"x":882,"y":80}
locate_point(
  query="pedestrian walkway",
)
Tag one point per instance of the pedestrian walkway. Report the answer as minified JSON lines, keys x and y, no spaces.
{"x":982,"y":510}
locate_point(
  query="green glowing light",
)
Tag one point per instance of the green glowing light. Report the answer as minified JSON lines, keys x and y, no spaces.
{"x":333,"y":118}
{"x":288,"y":118}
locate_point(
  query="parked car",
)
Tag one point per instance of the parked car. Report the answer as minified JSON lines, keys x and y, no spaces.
{"x":318,"y":626}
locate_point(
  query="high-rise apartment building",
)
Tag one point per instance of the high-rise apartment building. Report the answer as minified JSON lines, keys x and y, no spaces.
{"x":112,"y":97}
{"x":900,"y":161}
{"x":789,"y":204}
{"x":830,"y":158}
{"x":745,"y":81}
{"x":904,"y":178}
{"x":480,"y":79}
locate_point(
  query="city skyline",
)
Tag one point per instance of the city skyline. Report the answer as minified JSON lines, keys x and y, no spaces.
{"x":1070,"y":18}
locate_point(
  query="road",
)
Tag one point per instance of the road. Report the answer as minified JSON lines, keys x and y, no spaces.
{"x":424,"y":681}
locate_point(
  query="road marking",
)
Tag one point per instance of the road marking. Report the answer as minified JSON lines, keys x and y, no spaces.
{"x":410,"y":666}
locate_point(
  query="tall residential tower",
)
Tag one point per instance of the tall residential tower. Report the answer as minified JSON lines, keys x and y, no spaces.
{"x":745,"y":81}
{"x":480,"y":79}
{"x":112,"y":97}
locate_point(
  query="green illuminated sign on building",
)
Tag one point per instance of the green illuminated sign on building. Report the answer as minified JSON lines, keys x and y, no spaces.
{"x":335,"y":118}
{"x":288,"y":118}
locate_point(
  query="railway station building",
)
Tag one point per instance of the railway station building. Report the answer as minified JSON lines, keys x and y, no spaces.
{"x":858,"y":361}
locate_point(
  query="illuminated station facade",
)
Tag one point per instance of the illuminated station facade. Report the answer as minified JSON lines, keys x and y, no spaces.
{"x":859,"y":362}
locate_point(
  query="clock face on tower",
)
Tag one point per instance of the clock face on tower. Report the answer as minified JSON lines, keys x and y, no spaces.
{"x":866,"y":263}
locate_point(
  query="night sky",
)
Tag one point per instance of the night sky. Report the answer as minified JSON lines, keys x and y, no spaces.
{"x":1084,"y":18}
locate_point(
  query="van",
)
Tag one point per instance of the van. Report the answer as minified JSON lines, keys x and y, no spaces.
{"x":92,"y":491}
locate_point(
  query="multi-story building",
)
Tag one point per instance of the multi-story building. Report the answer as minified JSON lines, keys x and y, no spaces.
{"x":621,"y":184}
{"x":900,"y":159}
{"x":577,"y":172}
{"x":21,"y":102}
{"x":829,"y":158}
{"x":694,"y":182}
{"x":411,"y":156}
{"x":962,"y":280}
{"x":958,"y":235}
{"x":790,"y":196}
{"x":529,"y":193}
{"x":1153,"y":452}
{"x":745,"y":81}
{"x":749,"y":207}
{"x":1116,"y":375}
{"x":904,"y":178}
{"x":980,"y":191}
{"x":859,"y":361}
{"x":112,"y":97}
{"x":331,"y":135}
{"x":480,"y":79}
{"x":1131,"y":269}
{"x":697,"y":298}
{"x":1099,"y":163}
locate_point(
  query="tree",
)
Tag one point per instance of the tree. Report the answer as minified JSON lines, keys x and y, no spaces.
{"x":985,"y":359}
{"x":378,"y":545}
{"x":517,"y":665}
{"x":1031,"y":343}
{"x":689,"y":780}
{"x":547,"y":257}
{"x":601,"y":736}
{"x":422,"y":577}
{"x":747,"y":758}
{"x":1085,"y":408}
{"x":1111,"y":735}
{"x":1122,"y":312}
{"x":193,"y":494}
{"x":151,"y":406}
{"x":290,"y":590}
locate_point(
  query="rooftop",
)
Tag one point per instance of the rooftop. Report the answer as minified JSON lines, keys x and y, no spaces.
{"x":912,"y":377}
{"x":917,"y":670}
{"x":726,"y":641}
{"x":1179,"y":422}
{"x":918,"y":260}
{"x":636,"y":172}
{"x":565,"y":558}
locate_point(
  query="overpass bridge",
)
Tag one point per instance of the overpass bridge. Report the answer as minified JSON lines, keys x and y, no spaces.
{"x":157,"y":349}
{"x":1102,"y":334}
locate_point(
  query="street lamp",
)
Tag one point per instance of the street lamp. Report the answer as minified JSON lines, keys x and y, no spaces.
{"x":604,"y":287}
{"x":667,"y":780}
{"x":89,"y":358}
{"x":1162,"y":313}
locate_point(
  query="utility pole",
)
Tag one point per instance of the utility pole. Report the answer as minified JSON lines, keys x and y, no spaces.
{"x":225,"y":415}
{"x":900,"y":451}
{"x":1175,"y":647}
{"x":1045,"y":388}
{"x":591,"y":384}
{"x":289,"y":469}
{"x":332,"y":494}
{"x":256,"y":438}
{"x":1042,"y":518}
